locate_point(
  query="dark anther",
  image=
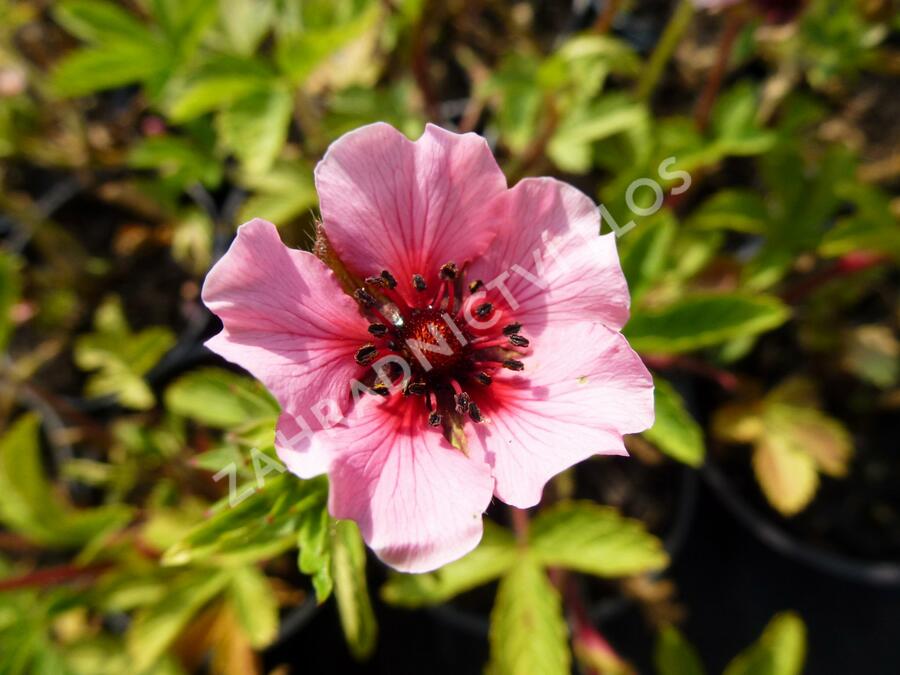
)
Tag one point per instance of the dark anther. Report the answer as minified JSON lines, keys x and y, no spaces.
{"x":475,"y":285}
{"x":366,"y":354}
{"x":377,"y":282}
{"x":416,"y":388}
{"x":377,"y":329}
{"x":419,"y":282}
{"x":475,"y":412}
{"x":365,"y":297}
{"x":462,"y":402}
{"x":449,"y":270}
{"x":484,"y":378}
{"x":518,"y":340}
{"x":389,"y":279}
{"x":434,"y":419}
{"x":484,"y":310}
{"x":512,"y":364}
{"x":381,"y":389}
{"x":512,"y":329}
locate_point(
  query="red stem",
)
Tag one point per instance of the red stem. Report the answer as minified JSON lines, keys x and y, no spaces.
{"x":50,"y":576}
{"x":707,"y":98}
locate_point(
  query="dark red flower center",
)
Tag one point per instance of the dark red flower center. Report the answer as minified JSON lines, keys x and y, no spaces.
{"x":440,"y":351}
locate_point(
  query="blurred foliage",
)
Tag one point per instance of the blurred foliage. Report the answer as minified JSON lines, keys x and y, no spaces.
{"x":147,"y":525}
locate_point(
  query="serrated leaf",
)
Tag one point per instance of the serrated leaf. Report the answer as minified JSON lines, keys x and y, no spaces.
{"x":809,"y":431}
{"x":254,"y":605}
{"x":351,"y":589}
{"x":219,"y":398}
{"x":255,"y":128}
{"x":528,"y":635}
{"x":674,"y":655}
{"x":643,"y":253}
{"x":246,"y":22}
{"x":282,"y":194}
{"x":593,"y":539}
{"x":701,"y":321}
{"x":780,"y":651}
{"x":493,"y":557}
{"x":675,"y":431}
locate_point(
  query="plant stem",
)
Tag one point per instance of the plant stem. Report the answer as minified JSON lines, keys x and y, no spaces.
{"x":605,"y":19}
{"x":735,"y":23}
{"x":50,"y":576}
{"x":520,"y":524}
{"x":678,"y":23}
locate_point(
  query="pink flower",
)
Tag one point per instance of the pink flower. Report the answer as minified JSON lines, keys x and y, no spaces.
{"x":479,"y":356}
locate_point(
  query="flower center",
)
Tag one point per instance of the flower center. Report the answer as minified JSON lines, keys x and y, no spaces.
{"x":442,"y":350}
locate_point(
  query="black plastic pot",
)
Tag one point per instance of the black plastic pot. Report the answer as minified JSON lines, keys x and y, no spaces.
{"x":880,"y":573}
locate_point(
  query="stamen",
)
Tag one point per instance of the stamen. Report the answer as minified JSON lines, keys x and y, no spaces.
{"x":449,"y":271}
{"x":377,"y":282}
{"x":381,"y":389}
{"x":475,"y":412}
{"x":389,"y":279}
{"x":418,"y":282}
{"x":518,"y":340}
{"x":512,"y":329}
{"x":475,"y":286}
{"x":484,"y":378}
{"x":366,"y":354}
{"x":462,"y":402}
{"x":416,"y":388}
{"x":378,"y":329}
{"x":365,"y":297}
{"x":484,"y":309}
{"x":434,"y":419}
{"x":512,"y":364}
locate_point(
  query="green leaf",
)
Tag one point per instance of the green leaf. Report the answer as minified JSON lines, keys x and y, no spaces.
{"x":121,"y":357}
{"x":351,"y":590}
{"x":787,"y":475}
{"x":100,"y":22}
{"x":674,"y":655}
{"x":108,"y":66}
{"x":701,"y":321}
{"x":738,"y":210}
{"x":32,"y":508}
{"x":301,"y":52}
{"x":254,"y":605}
{"x":644,"y":252}
{"x":675,"y":431}
{"x":570,"y":147}
{"x":220,"y":399}
{"x":314,"y":538}
{"x":157,"y":626}
{"x":494,"y":556}
{"x":177,"y":158}
{"x":862,"y":233}
{"x":282,"y":193}
{"x":592,"y":539}
{"x":528,"y":634}
{"x":780,"y":651}
{"x":10,"y":289}
{"x":246,"y":22}
{"x":221,"y":82}
{"x":255,"y":128}
{"x":260,"y":525}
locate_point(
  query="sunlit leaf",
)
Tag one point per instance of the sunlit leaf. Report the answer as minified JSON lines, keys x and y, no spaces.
{"x":780,"y":651}
{"x":528,"y":634}
{"x":675,"y":431}
{"x":593,"y":539}
{"x":220,"y":398}
{"x":351,"y":590}
{"x":674,"y":655}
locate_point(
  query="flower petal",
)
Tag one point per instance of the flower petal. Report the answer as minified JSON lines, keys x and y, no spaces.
{"x":408,"y":207}
{"x":583,"y":388}
{"x":417,"y":499}
{"x":552,"y":261}
{"x":286,"y":321}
